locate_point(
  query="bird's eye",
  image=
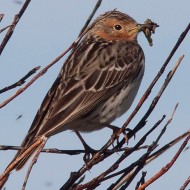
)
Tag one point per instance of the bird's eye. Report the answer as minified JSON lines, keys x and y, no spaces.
{"x":117,"y":27}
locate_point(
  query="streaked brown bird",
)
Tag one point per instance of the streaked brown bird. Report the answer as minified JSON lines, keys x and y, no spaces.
{"x":97,"y":83}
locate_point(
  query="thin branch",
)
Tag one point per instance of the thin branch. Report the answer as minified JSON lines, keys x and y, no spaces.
{"x":128,"y":176}
{"x":3,"y":29}
{"x":133,"y":166}
{"x":1,"y":17}
{"x":167,"y":146}
{"x":68,"y":152}
{"x":167,"y":167}
{"x":91,"y":16}
{"x":21,"y":81}
{"x":50,"y":150}
{"x":142,"y":180}
{"x":150,"y":159}
{"x":115,"y":165}
{"x":168,"y":122}
{"x":13,"y":25}
{"x":185,"y":184}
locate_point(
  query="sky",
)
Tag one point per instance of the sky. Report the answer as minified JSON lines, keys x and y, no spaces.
{"x":45,"y":31}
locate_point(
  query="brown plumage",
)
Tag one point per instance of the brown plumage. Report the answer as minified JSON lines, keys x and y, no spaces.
{"x":97,"y":83}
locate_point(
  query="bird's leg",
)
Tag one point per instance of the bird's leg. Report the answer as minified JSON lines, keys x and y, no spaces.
{"x":88,"y":150}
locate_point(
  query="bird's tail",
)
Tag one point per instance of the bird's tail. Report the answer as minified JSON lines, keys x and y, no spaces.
{"x":23,"y":155}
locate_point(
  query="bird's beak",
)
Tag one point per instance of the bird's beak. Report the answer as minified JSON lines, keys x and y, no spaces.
{"x":148,"y":24}
{"x":135,"y":29}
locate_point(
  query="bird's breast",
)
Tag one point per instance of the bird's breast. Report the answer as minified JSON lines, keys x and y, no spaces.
{"x":118,"y":104}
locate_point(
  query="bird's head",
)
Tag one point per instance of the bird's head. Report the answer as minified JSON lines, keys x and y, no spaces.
{"x":115,"y":25}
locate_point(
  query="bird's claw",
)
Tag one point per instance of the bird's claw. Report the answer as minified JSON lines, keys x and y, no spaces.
{"x":89,"y":153}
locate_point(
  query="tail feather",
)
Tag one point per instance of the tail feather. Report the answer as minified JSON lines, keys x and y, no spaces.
{"x":23,"y":161}
{"x":23,"y":155}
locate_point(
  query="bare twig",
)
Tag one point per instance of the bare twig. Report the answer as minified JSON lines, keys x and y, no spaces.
{"x":68,"y":152}
{"x":185,"y":184}
{"x":1,"y":17}
{"x":168,"y":122}
{"x":91,"y":16}
{"x":51,"y":150}
{"x":167,"y":167}
{"x":13,"y":25}
{"x":21,"y":81}
{"x":150,"y":158}
{"x":129,"y":173}
{"x":167,"y":146}
{"x":142,"y":180}
{"x":3,"y":29}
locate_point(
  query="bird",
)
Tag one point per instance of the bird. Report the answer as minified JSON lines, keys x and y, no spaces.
{"x":96,"y":84}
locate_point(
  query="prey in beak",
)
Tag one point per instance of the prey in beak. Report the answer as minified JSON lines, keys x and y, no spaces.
{"x":148,"y":28}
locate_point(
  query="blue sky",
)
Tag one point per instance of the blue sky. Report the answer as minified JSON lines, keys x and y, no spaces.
{"x":49,"y":27}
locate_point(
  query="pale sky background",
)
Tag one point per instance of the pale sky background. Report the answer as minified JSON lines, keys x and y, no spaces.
{"x":49,"y":27}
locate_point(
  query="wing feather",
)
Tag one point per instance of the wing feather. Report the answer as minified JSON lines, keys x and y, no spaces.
{"x":87,"y":84}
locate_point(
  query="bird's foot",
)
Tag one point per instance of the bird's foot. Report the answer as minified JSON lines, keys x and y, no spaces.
{"x":89,"y":152}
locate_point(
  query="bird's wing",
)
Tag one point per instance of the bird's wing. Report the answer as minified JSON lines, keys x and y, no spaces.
{"x":80,"y":88}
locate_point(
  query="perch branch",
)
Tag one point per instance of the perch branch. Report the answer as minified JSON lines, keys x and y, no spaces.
{"x":114,"y":166}
{"x":99,"y":156}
